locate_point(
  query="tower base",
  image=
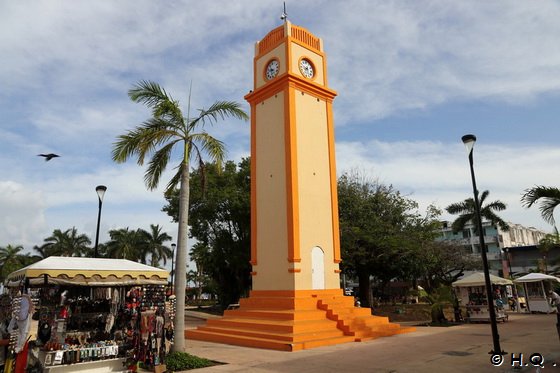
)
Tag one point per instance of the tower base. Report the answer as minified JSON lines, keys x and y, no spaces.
{"x":295,"y":320}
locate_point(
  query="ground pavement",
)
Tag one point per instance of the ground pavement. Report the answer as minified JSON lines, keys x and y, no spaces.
{"x":462,"y":348}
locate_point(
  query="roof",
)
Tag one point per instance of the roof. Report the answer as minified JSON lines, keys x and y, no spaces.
{"x":477,"y":279}
{"x":88,"y":271}
{"x":534,"y":277}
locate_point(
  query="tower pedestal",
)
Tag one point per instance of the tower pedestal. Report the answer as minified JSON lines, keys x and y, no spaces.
{"x":295,"y":320}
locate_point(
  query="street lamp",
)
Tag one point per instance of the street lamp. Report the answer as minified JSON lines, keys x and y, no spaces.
{"x":100,"y":189}
{"x":469,"y":141}
{"x":173,"y":246}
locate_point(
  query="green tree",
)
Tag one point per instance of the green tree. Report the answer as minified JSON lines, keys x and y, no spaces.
{"x":153,"y":245}
{"x":126,"y":244}
{"x":67,"y":243}
{"x":467,"y":213}
{"x":11,"y":259}
{"x":166,"y":129}
{"x":549,"y":242}
{"x":220,"y":222}
{"x":547,"y":197}
{"x":373,"y":226}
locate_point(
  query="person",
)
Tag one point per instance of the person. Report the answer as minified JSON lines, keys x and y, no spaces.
{"x":554,"y":299}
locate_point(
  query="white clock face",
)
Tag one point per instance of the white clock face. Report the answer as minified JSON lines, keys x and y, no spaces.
{"x":306,"y":68}
{"x":272,"y":69}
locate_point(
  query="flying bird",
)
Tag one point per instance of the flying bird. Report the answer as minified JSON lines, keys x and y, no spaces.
{"x":49,"y":156}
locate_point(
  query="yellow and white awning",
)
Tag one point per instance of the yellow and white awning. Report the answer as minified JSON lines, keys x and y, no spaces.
{"x":88,"y":272}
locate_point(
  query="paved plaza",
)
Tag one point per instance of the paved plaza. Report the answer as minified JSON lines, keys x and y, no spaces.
{"x":461,"y":348}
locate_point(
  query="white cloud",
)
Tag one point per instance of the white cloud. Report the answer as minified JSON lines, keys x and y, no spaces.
{"x":23,"y":213}
{"x":439,"y":173}
{"x":64,"y":89}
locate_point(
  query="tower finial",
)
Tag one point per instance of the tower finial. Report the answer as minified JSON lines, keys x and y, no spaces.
{"x":284,"y":16}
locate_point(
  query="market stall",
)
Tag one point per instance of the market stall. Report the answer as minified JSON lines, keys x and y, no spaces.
{"x":471,"y":292}
{"x":536,"y":286}
{"x":92,"y":314}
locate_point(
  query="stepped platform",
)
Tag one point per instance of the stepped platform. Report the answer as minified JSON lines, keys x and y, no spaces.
{"x":295,"y":320}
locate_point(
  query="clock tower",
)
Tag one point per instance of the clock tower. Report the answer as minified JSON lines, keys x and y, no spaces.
{"x":296,"y":301}
{"x":294,"y":208}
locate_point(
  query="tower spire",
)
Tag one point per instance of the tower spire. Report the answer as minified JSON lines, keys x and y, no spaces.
{"x":284,"y":16}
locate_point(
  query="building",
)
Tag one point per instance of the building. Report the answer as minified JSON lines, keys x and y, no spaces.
{"x":497,"y":242}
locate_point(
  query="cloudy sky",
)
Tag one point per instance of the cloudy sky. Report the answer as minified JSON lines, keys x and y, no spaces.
{"x":412,"y":77}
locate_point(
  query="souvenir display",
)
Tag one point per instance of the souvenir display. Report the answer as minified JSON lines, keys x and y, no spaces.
{"x":80,"y":325}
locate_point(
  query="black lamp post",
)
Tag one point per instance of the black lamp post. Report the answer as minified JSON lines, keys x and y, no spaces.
{"x":100,"y":189}
{"x":173,"y":246}
{"x":469,"y":141}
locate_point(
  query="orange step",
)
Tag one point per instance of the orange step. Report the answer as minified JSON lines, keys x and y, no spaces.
{"x":295,"y":320}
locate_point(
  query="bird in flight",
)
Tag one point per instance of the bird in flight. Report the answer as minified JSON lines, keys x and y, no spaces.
{"x":49,"y":156}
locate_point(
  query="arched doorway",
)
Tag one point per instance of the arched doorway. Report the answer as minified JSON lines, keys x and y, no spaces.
{"x":317,"y":268}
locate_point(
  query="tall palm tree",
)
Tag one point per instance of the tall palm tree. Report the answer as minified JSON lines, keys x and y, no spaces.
{"x":153,"y":245}
{"x":467,"y":213}
{"x":549,"y":198}
{"x":67,"y":243}
{"x":156,"y":138}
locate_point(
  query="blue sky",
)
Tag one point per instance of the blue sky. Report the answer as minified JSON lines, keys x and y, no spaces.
{"x":412,"y":78}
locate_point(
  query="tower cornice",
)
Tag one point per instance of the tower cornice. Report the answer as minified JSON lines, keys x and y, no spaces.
{"x":293,"y":80}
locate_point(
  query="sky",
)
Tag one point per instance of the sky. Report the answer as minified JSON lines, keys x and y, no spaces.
{"x":412,"y":77}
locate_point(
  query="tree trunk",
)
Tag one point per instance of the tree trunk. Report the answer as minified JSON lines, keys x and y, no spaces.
{"x":182,"y":259}
{"x":365,"y":288}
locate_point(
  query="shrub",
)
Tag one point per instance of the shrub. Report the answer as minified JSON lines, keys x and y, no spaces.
{"x":177,"y":361}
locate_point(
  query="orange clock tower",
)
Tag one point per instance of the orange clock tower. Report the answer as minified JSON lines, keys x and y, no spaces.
{"x":296,"y":301}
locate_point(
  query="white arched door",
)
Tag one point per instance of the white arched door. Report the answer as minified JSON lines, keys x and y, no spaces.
{"x":317,"y":268}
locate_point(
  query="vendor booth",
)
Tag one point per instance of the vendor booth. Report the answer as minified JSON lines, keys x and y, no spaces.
{"x":89,"y":314}
{"x":471,"y":291}
{"x":536,"y":286}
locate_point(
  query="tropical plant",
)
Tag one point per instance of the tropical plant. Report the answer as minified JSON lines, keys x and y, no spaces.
{"x":219,"y":217}
{"x":67,"y":243}
{"x":547,"y":197}
{"x":165,"y":130}
{"x":373,"y":230}
{"x":549,"y":242}
{"x":126,"y":244}
{"x":467,"y":213}
{"x":153,"y":245}
{"x":10,"y":259}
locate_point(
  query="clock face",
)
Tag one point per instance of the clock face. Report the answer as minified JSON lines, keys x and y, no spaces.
{"x":306,"y":68}
{"x":272,"y":69}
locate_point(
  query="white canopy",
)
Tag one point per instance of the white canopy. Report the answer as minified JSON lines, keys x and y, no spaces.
{"x":88,"y":271}
{"x":534,"y":277}
{"x":477,"y":279}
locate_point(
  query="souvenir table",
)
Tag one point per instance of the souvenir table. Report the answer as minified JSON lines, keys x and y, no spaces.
{"x":471,"y":292}
{"x":97,"y":314}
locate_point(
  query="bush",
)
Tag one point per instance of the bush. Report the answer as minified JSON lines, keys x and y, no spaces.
{"x":177,"y":361}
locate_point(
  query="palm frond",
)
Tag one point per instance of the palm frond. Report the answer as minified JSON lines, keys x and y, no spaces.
{"x":459,"y":223}
{"x":157,"y":165}
{"x":175,"y":180}
{"x":214,"y":148}
{"x":463,"y":207}
{"x":148,"y":93}
{"x":548,"y":197}
{"x":220,"y":109}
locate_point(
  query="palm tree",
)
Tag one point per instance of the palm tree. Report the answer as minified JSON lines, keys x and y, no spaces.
{"x":153,"y":245}
{"x":10,"y":260}
{"x":125,"y":244}
{"x":156,"y":138}
{"x":67,"y":243}
{"x":467,"y":213}
{"x":549,"y":198}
